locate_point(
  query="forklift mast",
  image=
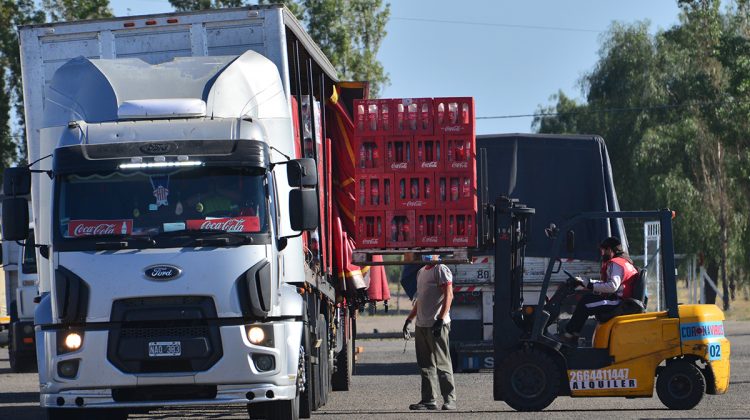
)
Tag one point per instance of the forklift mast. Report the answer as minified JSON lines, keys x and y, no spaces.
{"x":511,"y":223}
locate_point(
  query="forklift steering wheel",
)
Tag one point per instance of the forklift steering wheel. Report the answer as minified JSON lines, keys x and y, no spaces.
{"x":572,"y":280}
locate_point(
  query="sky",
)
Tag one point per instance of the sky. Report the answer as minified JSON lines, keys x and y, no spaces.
{"x":510,"y":55}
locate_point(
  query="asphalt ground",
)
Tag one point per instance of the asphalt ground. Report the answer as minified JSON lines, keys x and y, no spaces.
{"x":387,"y":381}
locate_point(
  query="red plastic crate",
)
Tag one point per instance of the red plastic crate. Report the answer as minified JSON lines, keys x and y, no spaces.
{"x":456,"y":191}
{"x":454,"y":115}
{"x":430,"y":228}
{"x":461,"y":228}
{"x":460,"y":152}
{"x":373,"y":116}
{"x":400,"y":228}
{"x":370,"y":229}
{"x":429,"y":150}
{"x":413,"y":116}
{"x":399,"y":154}
{"x":370,"y":155}
{"x":415,"y":191}
{"x":375,"y":192}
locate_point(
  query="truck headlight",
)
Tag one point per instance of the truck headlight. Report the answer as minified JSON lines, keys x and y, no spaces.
{"x":260,"y":335}
{"x":68,"y":341}
{"x":256,"y":335}
{"x":73,"y":341}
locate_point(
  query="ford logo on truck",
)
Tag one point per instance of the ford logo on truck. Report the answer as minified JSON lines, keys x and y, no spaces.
{"x":162,"y":272}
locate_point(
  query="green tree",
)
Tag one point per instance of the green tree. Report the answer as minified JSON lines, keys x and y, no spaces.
{"x":349,"y":32}
{"x":674,"y":110}
{"x":67,"y":10}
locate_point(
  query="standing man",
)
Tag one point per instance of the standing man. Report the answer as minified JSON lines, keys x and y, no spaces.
{"x":431,"y":309}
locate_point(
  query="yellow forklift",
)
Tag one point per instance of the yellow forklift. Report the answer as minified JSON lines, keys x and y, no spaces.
{"x":682,"y":350}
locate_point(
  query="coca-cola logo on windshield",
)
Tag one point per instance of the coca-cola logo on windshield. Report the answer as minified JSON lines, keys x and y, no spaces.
{"x":162,"y":272}
{"x":81,"y":228}
{"x":227,"y":224}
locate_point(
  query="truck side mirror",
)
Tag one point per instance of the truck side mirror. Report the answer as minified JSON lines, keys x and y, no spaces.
{"x":303,"y":209}
{"x":570,"y":241}
{"x":17,"y":181}
{"x":302,"y":173}
{"x":15,"y":219}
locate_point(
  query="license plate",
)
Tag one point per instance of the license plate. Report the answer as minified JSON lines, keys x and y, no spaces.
{"x":164,"y":348}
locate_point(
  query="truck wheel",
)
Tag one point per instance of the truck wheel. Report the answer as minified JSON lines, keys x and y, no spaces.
{"x":680,"y":385}
{"x":324,"y":367}
{"x":342,"y":377}
{"x":306,"y":398}
{"x":530,"y":380}
{"x":84,"y":414}
{"x":21,"y":363}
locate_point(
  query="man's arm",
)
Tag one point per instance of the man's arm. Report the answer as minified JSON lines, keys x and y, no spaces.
{"x":413,"y":312}
{"x":447,"y":300}
{"x":614,"y":279}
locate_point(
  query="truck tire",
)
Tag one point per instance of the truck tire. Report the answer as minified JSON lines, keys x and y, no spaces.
{"x":275,"y":410}
{"x":307,"y":397}
{"x":530,"y":380}
{"x":324,"y":366}
{"x":20,"y":362}
{"x":342,"y":377}
{"x":85,"y":413}
{"x":680,"y":385}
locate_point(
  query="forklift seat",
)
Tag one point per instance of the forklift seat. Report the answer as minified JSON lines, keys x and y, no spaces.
{"x":632,"y":305}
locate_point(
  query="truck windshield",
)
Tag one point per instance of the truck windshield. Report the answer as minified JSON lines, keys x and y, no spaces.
{"x":148,"y":204}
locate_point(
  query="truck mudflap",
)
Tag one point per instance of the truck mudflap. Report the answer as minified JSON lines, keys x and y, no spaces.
{"x":471,"y":357}
{"x":149,"y":397}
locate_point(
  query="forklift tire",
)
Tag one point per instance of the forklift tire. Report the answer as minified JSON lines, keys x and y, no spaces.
{"x":530,"y":380}
{"x":680,"y":385}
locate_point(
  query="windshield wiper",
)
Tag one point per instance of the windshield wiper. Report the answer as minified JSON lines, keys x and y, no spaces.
{"x":122,"y":241}
{"x":218,"y":237}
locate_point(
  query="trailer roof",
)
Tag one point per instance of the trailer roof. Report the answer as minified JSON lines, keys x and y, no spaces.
{"x":290,"y":22}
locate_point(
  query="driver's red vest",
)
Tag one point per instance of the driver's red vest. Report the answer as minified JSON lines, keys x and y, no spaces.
{"x":629,"y":277}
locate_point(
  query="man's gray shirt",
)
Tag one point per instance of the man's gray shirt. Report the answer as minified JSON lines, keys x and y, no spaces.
{"x":430,"y":282}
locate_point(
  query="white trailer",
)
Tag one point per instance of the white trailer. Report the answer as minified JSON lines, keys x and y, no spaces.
{"x":168,"y":214}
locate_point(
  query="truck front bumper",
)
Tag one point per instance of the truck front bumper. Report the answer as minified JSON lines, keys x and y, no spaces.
{"x":233,"y":376}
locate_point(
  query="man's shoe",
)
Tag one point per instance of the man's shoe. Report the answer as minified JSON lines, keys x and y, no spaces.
{"x":423,"y":406}
{"x":449,"y":406}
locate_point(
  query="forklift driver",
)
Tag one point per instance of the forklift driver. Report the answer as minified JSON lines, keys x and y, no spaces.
{"x":618,"y":277}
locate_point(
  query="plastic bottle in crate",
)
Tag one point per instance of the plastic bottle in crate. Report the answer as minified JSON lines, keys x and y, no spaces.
{"x":362,"y":192}
{"x":442,"y":190}
{"x":425,"y":116}
{"x":454,"y":189}
{"x":362,"y":155}
{"x":386,"y":123}
{"x":427,"y":188}
{"x":361,"y":117}
{"x":375,"y":192}
{"x":372,"y":117}
{"x":386,"y":191}
{"x":412,"y":116}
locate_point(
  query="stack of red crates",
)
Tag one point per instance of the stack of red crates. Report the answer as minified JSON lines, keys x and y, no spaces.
{"x":415,"y":172}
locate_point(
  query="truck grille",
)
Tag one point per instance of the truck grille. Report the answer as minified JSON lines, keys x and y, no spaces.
{"x":170,"y":319}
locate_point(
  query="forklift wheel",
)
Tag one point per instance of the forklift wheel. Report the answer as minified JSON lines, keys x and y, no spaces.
{"x":680,"y":385}
{"x":530,"y":380}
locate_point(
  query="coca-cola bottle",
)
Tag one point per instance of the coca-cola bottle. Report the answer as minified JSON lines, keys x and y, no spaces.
{"x":361,"y":227}
{"x":372,"y":117}
{"x":466,"y":188}
{"x":460,"y":226}
{"x":400,"y":229}
{"x":439,"y":225}
{"x":362,"y":192}
{"x":369,"y":163}
{"x":425,"y":116}
{"x":394,"y":230}
{"x":406,"y":229}
{"x":408,"y":152}
{"x":469,"y":225}
{"x":452,"y":113}
{"x":124,"y":229}
{"x":420,"y":154}
{"x":386,"y":191}
{"x":375,"y":192}
{"x":442,"y":189}
{"x":450,"y":225}
{"x":440,"y":113}
{"x":431,"y":225}
{"x":437,"y":151}
{"x":468,"y":150}
{"x":361,"y":117}
{"x":428,"y":151}
{"x":402,"y":188}
{"x":380,"y":226}
{"x":427,"y":188}
{"x":400,"y":117}
{"x":362,"y":154}
{"x":450,"y":152}
{"x":420,"y":226}
{"x":454,"y":189}
{"x":375,"y":158}
{"x":465,"y":114}
{"x":414,"y":188}
{"x":386,"y":123}
{"x":412,"y":116}
{"x":399,"y":151}
{"x":389,"y":152}
{"x":370,"y":227}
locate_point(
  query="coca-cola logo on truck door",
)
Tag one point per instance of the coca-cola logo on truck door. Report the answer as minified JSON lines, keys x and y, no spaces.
{"x":80,"y":228}
{"x":227,"y":224}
